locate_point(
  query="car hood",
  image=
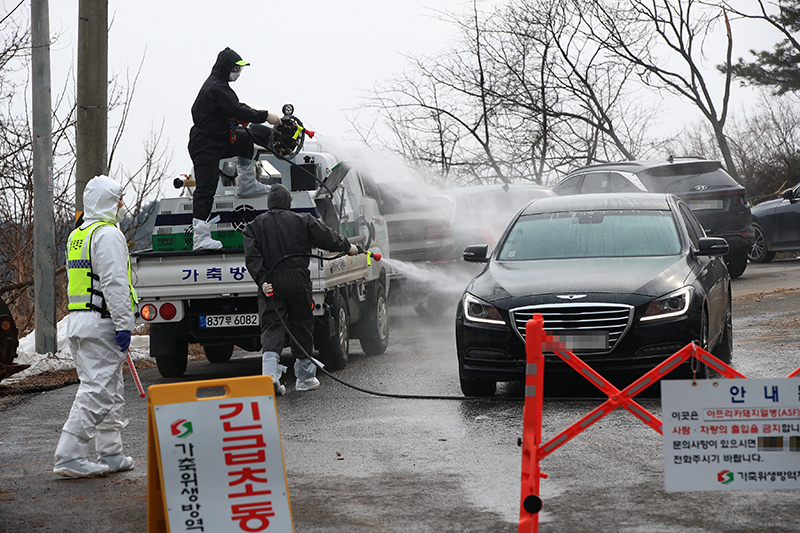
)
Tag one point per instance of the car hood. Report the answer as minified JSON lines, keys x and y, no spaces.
{"x":645,"y":276}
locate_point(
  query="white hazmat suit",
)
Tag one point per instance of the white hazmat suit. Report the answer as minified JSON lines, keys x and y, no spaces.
{"x":98,"y":407}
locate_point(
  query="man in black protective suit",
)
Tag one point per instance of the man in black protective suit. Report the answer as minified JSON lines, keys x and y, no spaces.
{"x":272,"y":235}
{"x":216,"y":112}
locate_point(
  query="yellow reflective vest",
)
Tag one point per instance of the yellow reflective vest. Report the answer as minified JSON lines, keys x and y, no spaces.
{"x":82,"y":278}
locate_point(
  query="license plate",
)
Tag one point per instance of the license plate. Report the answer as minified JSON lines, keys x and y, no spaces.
{"x":596,"y":341}
{"x":700,"y":205}
{"x":229,"y":321}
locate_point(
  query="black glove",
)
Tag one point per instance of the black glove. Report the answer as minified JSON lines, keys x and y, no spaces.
{"x":123,"y":339}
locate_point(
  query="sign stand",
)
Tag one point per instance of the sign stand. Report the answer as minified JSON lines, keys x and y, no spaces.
{"x":533,"y":451}
{"x":216,"y":463}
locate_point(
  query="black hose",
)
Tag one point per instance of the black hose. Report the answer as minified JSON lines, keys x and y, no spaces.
{"x":355,"y":387}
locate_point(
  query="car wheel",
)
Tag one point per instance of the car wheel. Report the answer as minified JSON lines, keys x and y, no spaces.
{"x":375,"y":334}
{"x":724,"y":348}
{"x":170,"y":349}
{"x":335,"y":351}
{"x":218,"y":353}
{"x":482,"y":388}
{"x":736,"y":262}
{"x":758,"y":252}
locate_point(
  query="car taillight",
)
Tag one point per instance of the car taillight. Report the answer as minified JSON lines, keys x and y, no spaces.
{"x":437,"y":232}
{"x":168,"y":311}
{"x":149,"y":312}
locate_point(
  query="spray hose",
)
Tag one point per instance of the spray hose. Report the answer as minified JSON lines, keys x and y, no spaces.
{"x":320,"y":366}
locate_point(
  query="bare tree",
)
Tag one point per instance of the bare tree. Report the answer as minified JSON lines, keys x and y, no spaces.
{"x":679,"y":27}
{"x":16,"y":193}
{"x":584,"y":83}
{"x":525,"y":94}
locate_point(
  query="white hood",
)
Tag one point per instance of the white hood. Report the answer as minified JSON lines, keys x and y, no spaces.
{"x":101,"y":198}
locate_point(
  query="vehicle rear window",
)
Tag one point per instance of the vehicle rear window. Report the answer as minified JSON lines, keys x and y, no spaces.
{"x":611,"y":233}
{"x":686,"y":177}
{"x":402,"y":199}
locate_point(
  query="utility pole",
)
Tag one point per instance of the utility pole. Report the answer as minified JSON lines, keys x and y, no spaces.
{"x":44,"y":238}
{"x":91,"y":133}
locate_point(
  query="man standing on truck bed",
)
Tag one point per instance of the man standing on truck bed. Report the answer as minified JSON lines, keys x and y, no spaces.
{"x":101,"y":305}
{"x":273,"y":235}
{"x":216,"y":112}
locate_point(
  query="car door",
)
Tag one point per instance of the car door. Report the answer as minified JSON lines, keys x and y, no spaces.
{"x":786,"y":222}
{"x":710,"y":274}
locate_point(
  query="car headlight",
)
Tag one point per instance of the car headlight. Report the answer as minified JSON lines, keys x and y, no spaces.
{"x":674,"y":304}
{"x":476,"y":310}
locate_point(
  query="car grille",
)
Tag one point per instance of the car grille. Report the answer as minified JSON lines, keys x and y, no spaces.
{"x":613,"y":318}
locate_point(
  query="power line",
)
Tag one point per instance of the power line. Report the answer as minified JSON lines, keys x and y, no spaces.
{"x":12,"y":11}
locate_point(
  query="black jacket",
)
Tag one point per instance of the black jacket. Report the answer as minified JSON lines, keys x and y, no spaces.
{"x":279,"y":232}
{"x":215,"y":105}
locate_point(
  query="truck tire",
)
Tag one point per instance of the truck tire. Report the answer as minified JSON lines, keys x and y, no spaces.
{"x":375,"y":331}
{"x":218,"y":353}
{"x":335,"y":349}
{"x":170,"y":348}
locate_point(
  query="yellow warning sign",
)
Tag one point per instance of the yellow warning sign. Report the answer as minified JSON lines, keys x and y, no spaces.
{"x":215,"y":463}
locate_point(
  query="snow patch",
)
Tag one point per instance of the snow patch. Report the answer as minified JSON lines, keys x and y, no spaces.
{"x":62,"y":359}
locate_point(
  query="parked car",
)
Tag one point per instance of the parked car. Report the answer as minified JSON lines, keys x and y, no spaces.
{"x":420,"y":237}
{"x":480,"y":213}
{"x":626,"y":280}
{"x":417,"y":232}
{"x":719,"y":202}
{"x":776,"y":226}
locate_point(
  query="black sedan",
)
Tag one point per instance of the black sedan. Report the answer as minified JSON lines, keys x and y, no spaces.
{"x":626,"y":280}
{"x":776,"y":225}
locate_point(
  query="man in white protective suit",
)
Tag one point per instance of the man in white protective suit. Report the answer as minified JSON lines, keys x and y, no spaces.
{"x":101,"y":304}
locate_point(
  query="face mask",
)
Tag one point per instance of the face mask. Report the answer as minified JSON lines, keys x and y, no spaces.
{"x":121,"y":214}
{"x":234,"y":76}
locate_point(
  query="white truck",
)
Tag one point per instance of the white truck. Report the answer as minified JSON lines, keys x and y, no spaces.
{"x":208,"y":297}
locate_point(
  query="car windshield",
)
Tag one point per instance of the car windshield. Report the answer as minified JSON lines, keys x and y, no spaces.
{"x":581,"y":234}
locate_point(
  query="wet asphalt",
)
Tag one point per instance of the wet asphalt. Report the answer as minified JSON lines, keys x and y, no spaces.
{"x":362,"y":463}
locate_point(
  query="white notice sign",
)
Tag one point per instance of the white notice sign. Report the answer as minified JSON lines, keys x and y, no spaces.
{"x":731,"y":434}
{"x":222,"y":465}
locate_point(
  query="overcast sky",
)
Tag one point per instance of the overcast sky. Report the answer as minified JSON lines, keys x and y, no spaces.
{"x":321,"y":56}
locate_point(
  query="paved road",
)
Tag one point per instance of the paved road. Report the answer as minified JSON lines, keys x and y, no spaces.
{"x":360,"y":463}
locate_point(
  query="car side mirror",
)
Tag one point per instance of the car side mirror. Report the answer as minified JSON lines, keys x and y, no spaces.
{"x":476,"y":253}
{"x":713,"y":246}
{"x":788,"y":194}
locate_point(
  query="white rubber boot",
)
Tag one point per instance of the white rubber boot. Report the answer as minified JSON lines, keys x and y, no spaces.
{"x":306,"y":373}
{"x":202,"y":236}
{"x":270,"y":366}
{"x":109,"y":449}
{"x":71,"y":458}
{"x":247,"y":186}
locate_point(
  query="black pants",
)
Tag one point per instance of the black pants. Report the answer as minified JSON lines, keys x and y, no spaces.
{"x":206,"y":172}
{"x":293,"y":301}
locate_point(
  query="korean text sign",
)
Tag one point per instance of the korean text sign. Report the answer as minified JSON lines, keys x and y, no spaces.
{"x":222,"y":466}
{"x":731,"y":434}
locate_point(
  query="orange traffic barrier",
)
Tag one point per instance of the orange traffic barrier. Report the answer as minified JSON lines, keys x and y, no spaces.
{"x":537,"y":340}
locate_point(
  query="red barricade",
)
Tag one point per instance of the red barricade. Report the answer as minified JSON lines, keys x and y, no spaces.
{"x":537,"y":341}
